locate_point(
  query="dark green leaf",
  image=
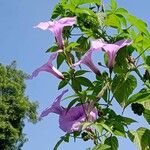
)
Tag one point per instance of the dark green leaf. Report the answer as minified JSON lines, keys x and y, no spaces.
{"x":72,"y":103}
{"x":148,"y":60}
{"x":84,"y":81}
{"x":76,"y":85}
{"x":118,"y":129}
{"x":52,"y":49}
{"x":80,"y":72}
{"x":123,"y":87}
{"x":112,"y":142}
{"x":60,"y":59}
{"x":58,"y":10}
{"x":62,"y":84}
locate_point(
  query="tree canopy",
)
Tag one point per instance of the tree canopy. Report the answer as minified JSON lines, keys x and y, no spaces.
{"x":15,"y":107}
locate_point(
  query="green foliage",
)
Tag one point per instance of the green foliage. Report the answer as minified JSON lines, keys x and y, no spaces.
{"x":131,"y":71}
{"x":112,"y":142}
{"x":124,"y":84}
{"x":14,"y":108}
{"x":140,"y":138}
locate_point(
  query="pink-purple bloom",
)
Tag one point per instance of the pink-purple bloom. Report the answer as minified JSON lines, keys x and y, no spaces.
{"x":57,"y":28}
{"x":71,"y":120}
{"x":112,"y":49}
{"x":48,"y":67}
{"x":87,"y":58}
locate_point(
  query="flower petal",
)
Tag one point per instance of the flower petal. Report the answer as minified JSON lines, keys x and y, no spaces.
{"x":112,"y":49}
{"x":87,"y":58}
{"x":55,"y":107}
{"x":67,"y":21}
{"x":57,"y":28}
{"x":71,"y":120}
{"x":48,"y":67}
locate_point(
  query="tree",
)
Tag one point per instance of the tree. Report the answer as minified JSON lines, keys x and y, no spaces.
{"x":125,"y":78}
{"x":15,"y":107}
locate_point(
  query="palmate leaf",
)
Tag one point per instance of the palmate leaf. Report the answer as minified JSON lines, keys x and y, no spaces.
{"x":122,"y":87}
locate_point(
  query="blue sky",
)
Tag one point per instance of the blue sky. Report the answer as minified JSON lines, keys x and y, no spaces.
{"x":21,"y":42}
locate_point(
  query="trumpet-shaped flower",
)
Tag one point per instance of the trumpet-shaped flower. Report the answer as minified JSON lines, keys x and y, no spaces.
{"x":48,"y":67}
{"x":87,"y":58}
{"x":57,"y":28}
{"x":71,"y":120}
{"x":112,"y":49}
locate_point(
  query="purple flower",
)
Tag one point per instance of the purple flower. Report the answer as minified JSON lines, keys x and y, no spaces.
{"x":112,"y":49}
{"x":57,"y":28}
{"x":48,"y":67}
{"x":87,"y":58}
{"x":71,"y":120}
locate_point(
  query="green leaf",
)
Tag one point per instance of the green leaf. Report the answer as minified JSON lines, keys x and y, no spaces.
{"x":84,"y":81}
{"x":80,"y":2}
{"x":80,"y":72}
{"x":146,"y":115}
{"x":98,"y":128}
{"x":60,"y":59}
{"x":125,"y":120}
{"x":72,"y":103}
{"x":143,"y":95}
{"x":112,"y":142}
{"x":139,"y":24}
{"x":121,"y":65}
{"x":141,"y":138}
{"x":86,"y":11}
{"x":83,"y":44}
{"x":52,"y":49}
{"x":72,"y":46}
{"x":122,"y":87}
{"x":62,"y":84}
{"x":106,"y":127}
{"x":121,"y":11}
{"x":58,"y":10}
{"x":64,"y":1}
{"x":118,"y":129}
{"x":148,"y":60}
{"x":101,"y":147}
{"x":112,"y":20}
{"x":113,"y":5}
{"x":76,"y":85}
